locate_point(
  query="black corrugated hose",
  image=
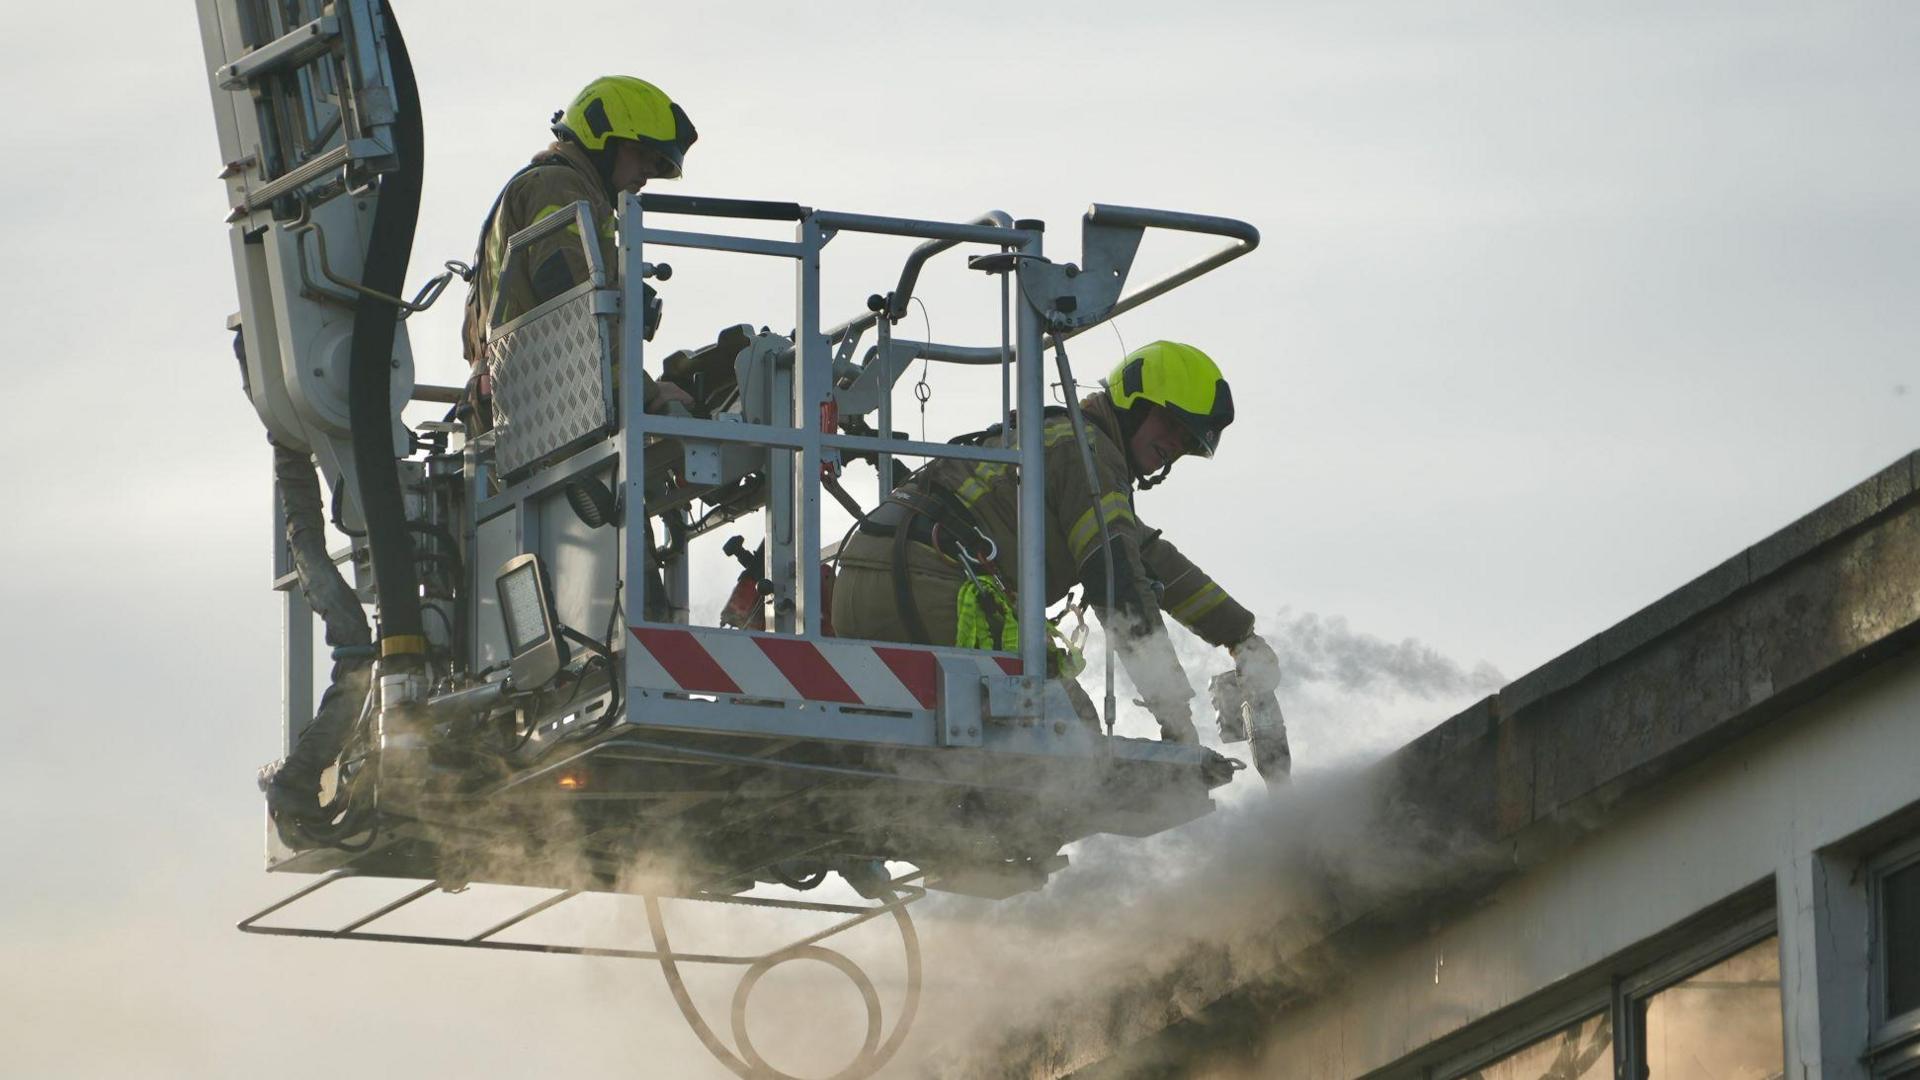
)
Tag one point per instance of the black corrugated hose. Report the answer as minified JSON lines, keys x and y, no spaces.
{"x":370,"y":377}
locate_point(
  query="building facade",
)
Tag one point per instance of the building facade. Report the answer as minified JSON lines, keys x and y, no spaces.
{"x":1705,"y":829}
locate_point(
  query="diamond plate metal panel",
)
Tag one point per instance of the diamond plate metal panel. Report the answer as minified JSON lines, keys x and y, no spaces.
{"x":551,"y":387}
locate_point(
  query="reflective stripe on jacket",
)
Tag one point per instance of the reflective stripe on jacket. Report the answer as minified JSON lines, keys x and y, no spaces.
{"x":558,"y":177}
{"x":987,"y":489}
{"x":990,"y":494}
{"x":1195,"y":600}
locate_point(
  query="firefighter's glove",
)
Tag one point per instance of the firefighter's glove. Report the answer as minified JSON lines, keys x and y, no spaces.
{"x":1272,"y":756}
{"x":1229,"y":706}
{"x":1176,"y":721}
{"x":1258,"y":667}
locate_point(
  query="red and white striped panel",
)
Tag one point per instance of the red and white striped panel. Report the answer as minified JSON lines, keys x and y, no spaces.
{"x":716,"y":660}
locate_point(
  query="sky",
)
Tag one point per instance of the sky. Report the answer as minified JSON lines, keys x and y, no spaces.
{"x":1556,"y":307}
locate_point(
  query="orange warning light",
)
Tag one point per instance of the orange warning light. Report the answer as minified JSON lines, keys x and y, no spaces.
{"x":571,"y":780}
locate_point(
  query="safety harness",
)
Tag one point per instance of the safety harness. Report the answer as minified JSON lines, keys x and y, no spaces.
{"x":477,"y":319}
{"x":985,"y":616}
{"x":937,"y":519}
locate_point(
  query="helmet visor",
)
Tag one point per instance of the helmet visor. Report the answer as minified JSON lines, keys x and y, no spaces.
{"x":1203,"y":431}
{"x":664,"y":160}
{"x":1201,"y":440}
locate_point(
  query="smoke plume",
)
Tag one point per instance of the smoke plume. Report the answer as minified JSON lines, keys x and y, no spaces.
{"x":1134,"y":935}
{"x":1323,"y":649}
{"x":1138,"y":933}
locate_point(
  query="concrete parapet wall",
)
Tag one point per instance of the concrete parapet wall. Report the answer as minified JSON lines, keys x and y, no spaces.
{"x":1573,"y":749}
{"x":1764,"y":630}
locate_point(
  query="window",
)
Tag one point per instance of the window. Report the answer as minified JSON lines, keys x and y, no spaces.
{"x":1580,"y":1051}
{"x":1707,"y":1011}
{"x":1894,"y":892}
{"x":1700,"y":1002}
{"x":1722,"y":1021}
{"x":1899,"y":903}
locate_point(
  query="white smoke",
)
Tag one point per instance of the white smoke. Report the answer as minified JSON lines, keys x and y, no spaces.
{"x":1138,"y":932}
{"x":1348,"y":695}
{"x":1323,"y":649}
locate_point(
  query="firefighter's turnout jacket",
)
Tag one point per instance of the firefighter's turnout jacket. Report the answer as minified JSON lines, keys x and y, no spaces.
{"x":1151,"y":575}
{"x":551,"y":183}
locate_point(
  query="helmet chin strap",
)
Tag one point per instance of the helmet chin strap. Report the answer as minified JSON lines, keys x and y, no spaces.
{"x":1130,"y":420}
{"x":1149,"y":481}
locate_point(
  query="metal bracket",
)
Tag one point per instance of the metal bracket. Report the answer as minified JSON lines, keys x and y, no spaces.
{"x":754,"y":370}
{"x":709,"y":462}
{"x":962,"y":711}
{"x":1014,"y":697}
{"x":421,"y":301}
{"x":1072,"y":297}
{"x":881,"y":371}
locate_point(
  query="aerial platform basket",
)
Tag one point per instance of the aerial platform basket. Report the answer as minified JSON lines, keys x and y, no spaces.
{"x":549,"y":715}
{"x":756,"y":748}
{"x":723,"y":759}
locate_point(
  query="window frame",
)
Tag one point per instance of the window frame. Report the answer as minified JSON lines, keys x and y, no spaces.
{"x":1633,"y":994}
{"x":1623,"y":999}
{"x":1890,"y":1063}
{"x":1893,"y":1042}
{"x":1575,"y":1011}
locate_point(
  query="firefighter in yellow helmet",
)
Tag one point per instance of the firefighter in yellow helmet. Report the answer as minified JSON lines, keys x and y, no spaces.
{"x":618,"y":133}
{"x":904,"y":574}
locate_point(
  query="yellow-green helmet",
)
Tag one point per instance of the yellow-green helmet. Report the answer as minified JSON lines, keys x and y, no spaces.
{"x":1180,"y":379}
{"x":623,"y":107}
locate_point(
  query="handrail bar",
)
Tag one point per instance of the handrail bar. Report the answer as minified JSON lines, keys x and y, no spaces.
{"x":910,"y":273}
{"x":581,"y":218}
{"x":910,"y":276}
{"x":1245,"y":235}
